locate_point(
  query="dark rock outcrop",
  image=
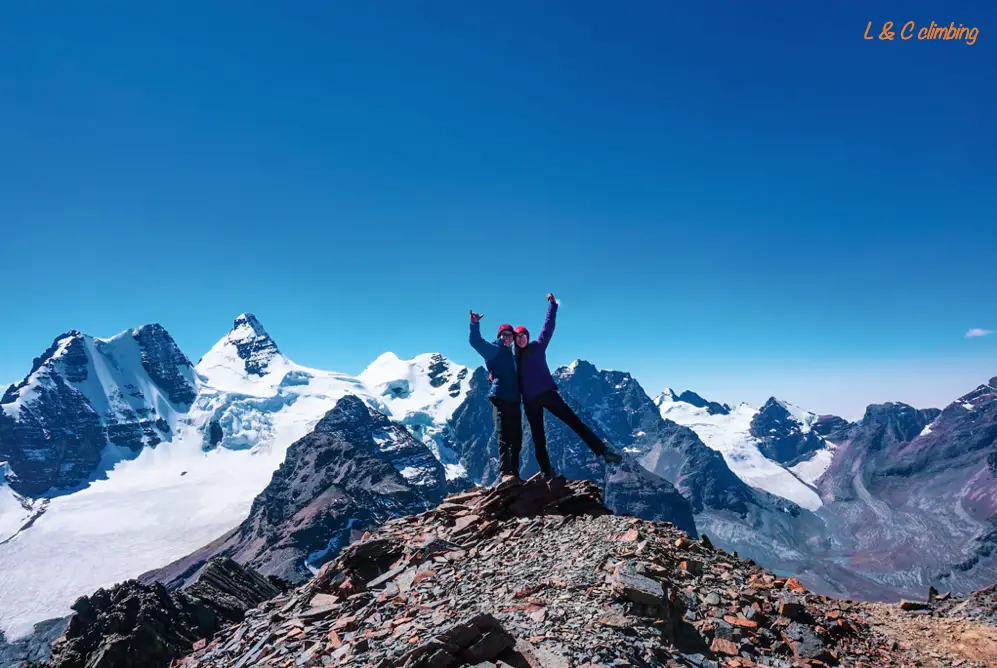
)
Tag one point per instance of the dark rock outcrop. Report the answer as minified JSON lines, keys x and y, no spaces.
{"x":781,"y":438}
{"x":56,"y":422}
{"x":738,"y":517}
{"x":49,"y":434}
{"x":832,"y":427}
{"x":163,"y":361}
{"x":335,"y":483}
{"x":136,"y":625}
{"x":472,"y":431}
{"x":253,"y":343}
{"x":712,"y":407}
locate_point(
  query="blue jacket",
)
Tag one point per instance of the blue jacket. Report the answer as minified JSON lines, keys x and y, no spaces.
{"x":501,"y":364}
{"x":534,"y":374}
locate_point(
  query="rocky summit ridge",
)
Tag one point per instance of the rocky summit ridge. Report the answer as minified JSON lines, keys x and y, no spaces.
{"x":536,"y":575}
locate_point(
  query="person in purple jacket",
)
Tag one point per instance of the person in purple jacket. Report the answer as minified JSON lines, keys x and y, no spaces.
{"x":540,"y":392}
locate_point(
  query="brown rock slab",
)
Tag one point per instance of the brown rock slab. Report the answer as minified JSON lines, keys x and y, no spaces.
{"x":721,"y":646}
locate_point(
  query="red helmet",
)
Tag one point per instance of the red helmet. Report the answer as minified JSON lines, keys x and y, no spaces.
{"x":522,"y":330}
{"x":504,"y":328}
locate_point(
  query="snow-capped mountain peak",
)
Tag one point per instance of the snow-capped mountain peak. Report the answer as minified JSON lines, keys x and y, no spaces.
{"x":426,"y":382}
{"x":248,"y":328}
{"x":669,"y":395}
{"x":785,"y":410}
{"x":245,"y":360}
{"x":89,"y":402}
{"x":744,"y":436}
{"x":688,"y":402}
{"x":421,"y":393}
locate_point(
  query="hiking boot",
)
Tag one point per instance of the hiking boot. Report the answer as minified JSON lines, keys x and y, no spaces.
{"x":611,"y":457}
{"x":507,"y":480}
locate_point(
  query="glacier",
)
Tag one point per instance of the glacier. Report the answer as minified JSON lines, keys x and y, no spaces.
{"x":164,"y":502}
{"x":730,"y":435}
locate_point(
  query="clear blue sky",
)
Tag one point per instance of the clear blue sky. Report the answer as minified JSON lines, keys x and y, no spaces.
{"x":743,"y":198}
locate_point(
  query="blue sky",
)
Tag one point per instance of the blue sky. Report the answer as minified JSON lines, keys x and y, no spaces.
{"x":740,"y":198}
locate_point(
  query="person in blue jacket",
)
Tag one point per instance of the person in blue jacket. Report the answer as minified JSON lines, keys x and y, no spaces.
{"x":540,"y":392}
{"x":504,"y":394}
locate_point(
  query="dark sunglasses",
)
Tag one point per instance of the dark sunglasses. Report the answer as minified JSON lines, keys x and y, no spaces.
{"x":506,"y":333}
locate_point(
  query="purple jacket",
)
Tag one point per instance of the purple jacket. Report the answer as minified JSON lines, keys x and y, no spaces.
{"x":534,"y":374}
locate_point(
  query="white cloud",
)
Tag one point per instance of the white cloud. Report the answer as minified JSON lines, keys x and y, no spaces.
{"x":976,"y":331}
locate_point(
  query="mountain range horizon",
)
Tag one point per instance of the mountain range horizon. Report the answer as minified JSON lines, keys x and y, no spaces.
{"x":851,"y":415}
{"x":108,"y":434}
{"x":142,"y":463}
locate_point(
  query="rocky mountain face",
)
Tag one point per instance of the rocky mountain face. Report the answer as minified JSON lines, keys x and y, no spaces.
{"x":354,"y":471}
{"x":471,"y":430}
{"x":91,"y":405}
{"x":911,"y":500}
{"x":831,"y":427}
{"x":85,"y":395}
{"x":252,"y":342}
{"x":475,"y":583}
{"x":135,"y":624}
{"x":737,"y":516}
{"x":693,"y":399}
{"x":782,"y":438}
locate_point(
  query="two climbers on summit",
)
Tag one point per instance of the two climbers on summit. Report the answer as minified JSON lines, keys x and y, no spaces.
{"x":519,"y":374}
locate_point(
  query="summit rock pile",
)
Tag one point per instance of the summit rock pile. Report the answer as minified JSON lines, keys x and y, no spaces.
{"x":543,"y":576}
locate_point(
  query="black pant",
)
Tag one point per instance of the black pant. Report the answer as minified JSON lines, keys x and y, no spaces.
{"x":552,"y":401}
{"x":508,"y":418}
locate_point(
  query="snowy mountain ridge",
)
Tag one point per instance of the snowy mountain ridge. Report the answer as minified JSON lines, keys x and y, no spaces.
{"x":731,"y":435}
{"x":153,"y":484}
{"x":134,"y":508}
{"x":88,"y":403}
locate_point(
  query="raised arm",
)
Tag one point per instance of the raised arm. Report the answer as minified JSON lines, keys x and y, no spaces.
{"x":547,"y":330}
{"x":484,"y":348}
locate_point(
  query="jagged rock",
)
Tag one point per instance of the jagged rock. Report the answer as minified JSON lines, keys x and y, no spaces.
{"x":632,"y":586}
{"x":136,"y":624}
{"x":780,"y":437}
{"x":56,"y":422}
{"x":334,"y":484}
{"x":254,"y":345}
{"x":805,"y":642}
{"x":562,"y":588}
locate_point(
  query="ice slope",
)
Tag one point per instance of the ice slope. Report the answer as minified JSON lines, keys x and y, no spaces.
{"x":151,"y":510}
{"x":14,"y":510}
{"x":246,"y":361}
{"x":730,"y":435}
{"x":803,"y":417}
{"x":812,"y":469}
{"x":252,"y":402}
{"x":116,"y":382}
{"x":253,"y":397}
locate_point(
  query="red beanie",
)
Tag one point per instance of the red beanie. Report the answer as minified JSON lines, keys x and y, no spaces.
{"x":503,"y":328}
{"x":522,"y":330}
